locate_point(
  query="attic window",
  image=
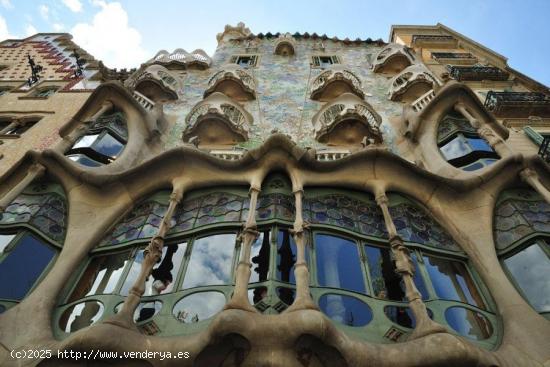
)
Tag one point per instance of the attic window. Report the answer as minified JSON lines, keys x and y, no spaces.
{"x":245,"y":60}
{"x":324,"y":61}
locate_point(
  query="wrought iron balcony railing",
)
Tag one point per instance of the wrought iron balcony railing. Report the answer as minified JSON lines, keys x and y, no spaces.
{"x":433,"y":39}
{"x":471,"y":73}
{"x":544,"y":150}
{"x":518,"y":104}
{"x":452,"y":55}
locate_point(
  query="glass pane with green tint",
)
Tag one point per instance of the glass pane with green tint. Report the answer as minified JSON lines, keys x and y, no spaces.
{"x":80,"y":316}
{"x":345,"y":309}
{"x":469,"y":323}
{"x":259,"y":257}
{"x":286,"y":257}
{"x":210,"y":262}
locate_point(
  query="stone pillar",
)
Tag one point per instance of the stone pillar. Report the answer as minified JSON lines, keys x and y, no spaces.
{"x":35,"y":170}
{"x":486,"y":132}
{"x":405,"y":268}
{"x":242,"y":276}
{"x":151,"y":255}
{"x":70,"y":139}
{"x":301,"y":273}
{"x":530,"y":177}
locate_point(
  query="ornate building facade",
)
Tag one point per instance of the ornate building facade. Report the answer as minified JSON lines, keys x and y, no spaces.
{"x":291,"y":200}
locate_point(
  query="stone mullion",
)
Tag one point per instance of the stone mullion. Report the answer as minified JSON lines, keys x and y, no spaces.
{"x":301,"y":273}
{"x":530,"y":176}
{"x":485,"y":132}
{"x":239,"y":300}
{"x":405,"y":268}
{"x":151,"y":256}
{"x":34,"y":171}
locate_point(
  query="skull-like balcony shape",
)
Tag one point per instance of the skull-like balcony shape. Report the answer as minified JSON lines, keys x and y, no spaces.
{"x":285,"y":45}
{"x":392,"y":59}
{"x":156,"y":83}
{"x":181,"y":59}
{"x":217,"y":121}
{"x":333,"y":82}
{"x":411,"y":83}
{"x":234,"y":82}
{"x":347,"y":121}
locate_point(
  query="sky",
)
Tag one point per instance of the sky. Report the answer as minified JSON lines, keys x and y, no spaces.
{"x":126,"y":33}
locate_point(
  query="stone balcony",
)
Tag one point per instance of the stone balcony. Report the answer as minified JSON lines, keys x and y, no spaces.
{"x":411,"y":83}
{"x":333,"y":82}
{"x":156,"y":83}
{"x":392,"y":59}
{"x":217,"y":120}
{"x":346,"y":121}
{"x":455,"y":58}
{"x":518,"y":104}
{"x":234,"y":82}
{"x":477,"y":73}
{"x":181,"y":59}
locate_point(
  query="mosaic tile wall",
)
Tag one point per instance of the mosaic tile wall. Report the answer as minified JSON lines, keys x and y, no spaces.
{"x":282,"y":89}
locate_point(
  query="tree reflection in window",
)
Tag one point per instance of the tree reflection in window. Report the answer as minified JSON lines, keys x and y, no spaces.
{"x":103,"y":143}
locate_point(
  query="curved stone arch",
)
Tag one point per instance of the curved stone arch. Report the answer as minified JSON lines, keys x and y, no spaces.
{"x":333,"y":82}
{"x":347,"y":120}
{"x":157,"y":83}
{"x":233,"y":81}
{"x":143,"y":127}
{"x":393,"y":58}
{"x":411,"y":83}
{"x":216,"y":112}
{"x":285,"y":45}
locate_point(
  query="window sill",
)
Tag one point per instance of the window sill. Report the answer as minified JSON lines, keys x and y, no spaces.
{"x":32,"y":97}
{"x":10,"y":136}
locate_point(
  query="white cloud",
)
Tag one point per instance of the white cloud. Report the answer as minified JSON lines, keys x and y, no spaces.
{"x":74,"y":5}
{"x":4,"y":33}
{"x":58,"y":27}
{"x":44,"y":11}
{"x":6,"y":4}
{"x":110,"y":38}
{"x":30,"y":30}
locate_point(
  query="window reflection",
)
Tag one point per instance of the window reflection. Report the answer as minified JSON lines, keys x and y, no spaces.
{"x":80,"y":316}
{"x":452,"y":281}
{"x":210,"y":262}
{"x":386,"y":283}
{"x":338,"y":263}
{"x":198,"y":306}
{"x":530,"y":268}
{"x":5,"y":240}
{"x":286,"y":295}
{"x":146,"y":310}
{"x":22,"y":266}
{"x":163,"y":274}
{"x":345,"y":310}
{"x":286,"y":256}
{"x":468,"y":323}
{"x":259,"y":256}
{"x":257,"y":294}
{"x":101,"y":276}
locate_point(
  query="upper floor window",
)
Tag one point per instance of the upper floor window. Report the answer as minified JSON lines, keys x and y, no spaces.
{"x":245,"y":60}
{"x":324,"y":61}
{"x":5,"y":90}
{"x":45,"y":92}
{"x":103,"y":142}
{"x":16,"y":127}
{"x":461,"y":145}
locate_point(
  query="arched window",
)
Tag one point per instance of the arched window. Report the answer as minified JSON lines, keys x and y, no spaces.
{"x":103,"y":142}
{"x":461,"y":145}
{"x":32,"y":229}
{"x":522,"y":239}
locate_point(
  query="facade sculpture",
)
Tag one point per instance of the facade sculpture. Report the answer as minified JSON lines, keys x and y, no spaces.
{"x":292,"y":200}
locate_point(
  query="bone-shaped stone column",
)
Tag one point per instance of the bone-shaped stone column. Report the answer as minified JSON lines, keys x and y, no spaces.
{"x":405,"y":267}
{"x":301,"y":273}
{"x":530,"y":176}
{"x":35,"y":170}
{"x":242,"y":276}
{"x":151,"y":255}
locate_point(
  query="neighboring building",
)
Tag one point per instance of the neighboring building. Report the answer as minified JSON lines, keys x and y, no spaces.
{"x":293,"y":200}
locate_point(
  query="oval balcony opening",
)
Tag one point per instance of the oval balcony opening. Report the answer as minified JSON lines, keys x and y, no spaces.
{"x":412,"y":83}
{"x":334,"y":82}
{"x":234,"y":82}
{"x":392,"y":60}
{"x":156,"y":83}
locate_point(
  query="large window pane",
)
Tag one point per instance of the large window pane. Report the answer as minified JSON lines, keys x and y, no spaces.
{"x":85,"y":141}
{"x":338,"y":263}
{"x":163,"y":275}
{"x":286,"y":257}
{"x":101,"y":276}
{"x":479,"y":144}
{"x":530,"y":268}
{"x":211,"y":260}
{"x":455,"y":148}
{"x":22,"y":266}
{"x":259,"y":256}
{"x":452,"y":281}
{"x":109,"y":146}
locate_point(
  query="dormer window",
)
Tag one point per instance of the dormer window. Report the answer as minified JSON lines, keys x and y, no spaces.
{"x":324,"y":61}
{"x":245,"y":61}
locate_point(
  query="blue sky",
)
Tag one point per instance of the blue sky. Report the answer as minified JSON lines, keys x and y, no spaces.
{"x":126,"y":33}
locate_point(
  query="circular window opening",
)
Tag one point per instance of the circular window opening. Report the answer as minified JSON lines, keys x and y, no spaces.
{"x":469,"y":323}
{"x":80,"y":316}
{"x":345,"y":309}
{"x":198,"y":307}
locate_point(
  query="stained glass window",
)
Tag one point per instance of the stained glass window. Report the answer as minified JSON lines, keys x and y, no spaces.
{"x":275,"y":206}
{"x":519,"y":213}
{"x":41,"y":206}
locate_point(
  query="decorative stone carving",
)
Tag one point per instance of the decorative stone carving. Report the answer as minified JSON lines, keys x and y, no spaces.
{"x":156,"y":83}
{"x":393,"y":58}
{"x":285,"y":45}
{"x":346,"y":121}
{"x":412,"y":83}
{"x":230,"y":32}
{"x":218,"y":120}
{"x":333,"y":82}
{"x":181,"y":59}
{"x":234,"y":82}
